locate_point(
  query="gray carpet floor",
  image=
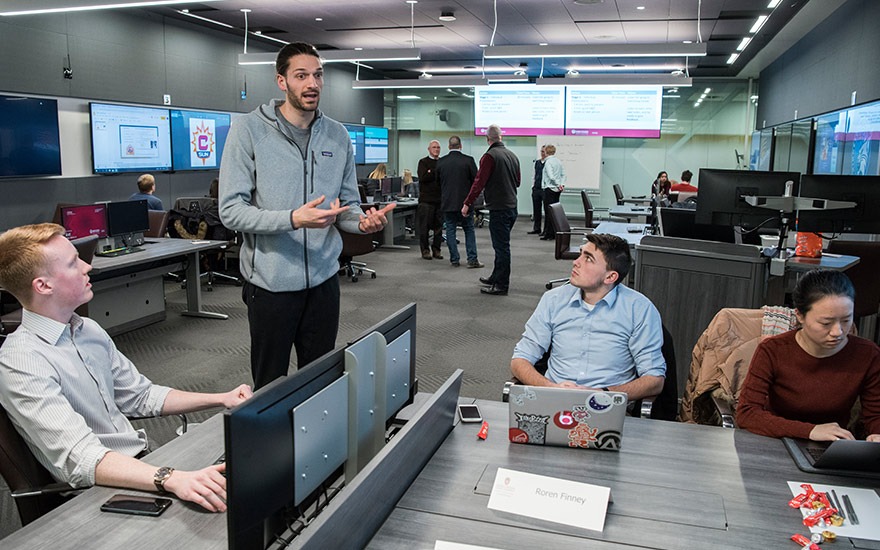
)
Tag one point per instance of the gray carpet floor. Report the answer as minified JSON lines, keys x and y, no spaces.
{"x":457,"y":326}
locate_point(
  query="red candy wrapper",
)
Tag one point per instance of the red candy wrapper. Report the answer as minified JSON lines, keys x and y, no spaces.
{"x":804,"y":541}
{"x":484,"y":430}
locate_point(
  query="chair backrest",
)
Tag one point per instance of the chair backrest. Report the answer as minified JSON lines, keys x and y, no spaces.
{"x":563,"y":232}
{"x":86,"y":247}
{"x":618,"y":194}
{"x":588,"y":208}
{"x":863,"y":275}
{"x":356,"y":244}
{"x":194,"y":204}
{"x":158,"y":223}
{"x":665,"y":405}
{"x":22,"y":471}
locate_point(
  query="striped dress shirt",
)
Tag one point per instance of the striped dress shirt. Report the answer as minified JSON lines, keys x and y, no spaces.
{"x":68,"y":390}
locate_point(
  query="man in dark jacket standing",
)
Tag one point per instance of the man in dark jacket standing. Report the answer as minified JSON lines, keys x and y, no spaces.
{"x":428,"y":214}
{"x":455,"y":173}
{"x":538,"y":194}
{"x":499,"y":175}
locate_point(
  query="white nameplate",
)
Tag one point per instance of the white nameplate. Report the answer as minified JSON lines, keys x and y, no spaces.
{"x":552,"y":499}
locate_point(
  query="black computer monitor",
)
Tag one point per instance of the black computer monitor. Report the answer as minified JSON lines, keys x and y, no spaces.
{"x":396,"y":186}
{"x":82,"y":221}
{"x":681,"y":223}
{"x":127,"y":218}
{"x":385,"y":186}
{"x":862,"y":190}
{"x":721,"y":191}
{"x":392,"y":328}
{"x":259,"y":434}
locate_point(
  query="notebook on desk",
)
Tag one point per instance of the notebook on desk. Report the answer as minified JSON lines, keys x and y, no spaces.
{"x":566,"y":417}
{"x":842,"y":457}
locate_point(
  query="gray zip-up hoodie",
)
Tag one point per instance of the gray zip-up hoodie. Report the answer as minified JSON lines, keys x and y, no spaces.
{"x":264,"y":177}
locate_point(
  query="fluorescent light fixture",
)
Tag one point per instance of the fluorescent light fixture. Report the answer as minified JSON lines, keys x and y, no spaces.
{"x":774,"y":3}
{"x":707,"y":90}
{"x":338,"y":56}
{"x":435,"y":82}
{"x":733,"y":57}
{"x":758,"y":24}
{"x":744,"y":43}
{"x":598,"y":50}
{"x":409,"y":97}
{"x":34,"y":7}
{"x":618,"y":80}
{"x":626,"y":68}
{"x":200,"y":18}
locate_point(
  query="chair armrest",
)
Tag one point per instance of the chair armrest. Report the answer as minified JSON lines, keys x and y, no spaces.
{"x":724,"y":411}
{"x":52,"y":488}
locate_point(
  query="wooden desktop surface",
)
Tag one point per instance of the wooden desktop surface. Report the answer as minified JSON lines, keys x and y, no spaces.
{"x":673,"y":486}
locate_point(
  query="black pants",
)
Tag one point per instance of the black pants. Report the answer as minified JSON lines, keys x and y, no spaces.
{"x":550,"y":197}
{"x":430,"y":218}
{"x":307,"y":320}
{"x":537,"y":208}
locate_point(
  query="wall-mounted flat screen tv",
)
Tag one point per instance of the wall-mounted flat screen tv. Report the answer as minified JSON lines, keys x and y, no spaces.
{"x":520,"y":109}
{"x":356,"y":134}
{"x":197,"y":139}
{"x":29,"y":140}
{"x":126,"y":138}
{"x":375,"y":145}
{"x":613,"y":111}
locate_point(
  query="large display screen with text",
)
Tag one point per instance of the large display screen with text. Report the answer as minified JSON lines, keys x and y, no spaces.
{"x":130,"y":139}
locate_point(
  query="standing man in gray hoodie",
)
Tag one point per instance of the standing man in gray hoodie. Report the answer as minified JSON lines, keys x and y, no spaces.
{"x":288,"y":183}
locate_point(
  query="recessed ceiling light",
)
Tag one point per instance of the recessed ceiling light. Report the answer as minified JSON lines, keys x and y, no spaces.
{"x":687,"y":41}
{"x":640,"y":7}
{"x":542,"y":43}
{"x":743,"y":44}
{"x":758,"y":24}
{"x":358,"y":49}
{"x":408,"y":97}
{"x":447,"y":16}
{"x":588,"y":2}
{"x":319,"y":18}
{"x":484,"y":45}
{"x":604,"y":37}
{"x":773,"y":3}
{"x":732,"y":58}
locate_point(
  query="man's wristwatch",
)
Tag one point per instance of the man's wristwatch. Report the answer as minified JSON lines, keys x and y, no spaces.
{"x":161,"y":476}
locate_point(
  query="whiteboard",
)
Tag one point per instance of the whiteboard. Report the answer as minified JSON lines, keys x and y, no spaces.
{"x":581,"y":156}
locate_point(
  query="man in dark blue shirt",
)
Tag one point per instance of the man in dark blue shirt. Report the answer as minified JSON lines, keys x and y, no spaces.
{"x":146,"y":188}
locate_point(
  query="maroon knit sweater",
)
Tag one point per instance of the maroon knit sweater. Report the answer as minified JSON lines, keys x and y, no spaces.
{"x":788,"y":391}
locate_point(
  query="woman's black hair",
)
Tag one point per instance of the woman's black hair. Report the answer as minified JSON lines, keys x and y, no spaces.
{"x":818,"y":284}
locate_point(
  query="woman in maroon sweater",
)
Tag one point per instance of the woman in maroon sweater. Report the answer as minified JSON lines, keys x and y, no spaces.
{"x":803,"y":383}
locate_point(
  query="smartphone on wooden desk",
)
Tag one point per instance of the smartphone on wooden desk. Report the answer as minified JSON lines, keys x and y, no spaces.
{"x":136,"y":505}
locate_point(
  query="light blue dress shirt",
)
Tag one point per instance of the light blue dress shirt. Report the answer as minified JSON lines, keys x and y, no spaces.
{"x":553,"y":176}
{"x":615,"y":342}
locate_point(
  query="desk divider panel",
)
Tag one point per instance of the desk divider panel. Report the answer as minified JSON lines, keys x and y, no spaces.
{"x":365,"y":363}
{"x":318,"y":449}
{"x":397,"y":375}
{"x":356,"y":514}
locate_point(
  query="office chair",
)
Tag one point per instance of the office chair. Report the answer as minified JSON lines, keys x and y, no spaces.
{"x":355,"y":244}
{"x":564,"y":250}
{"x":618,"y":194}
{"x":33,"y":489}
{"x":588,"y":210}
{"x":863,"y":279}
{"x":663,"y":406}
{"x":199,"y":218}
{"x":158,"y":223}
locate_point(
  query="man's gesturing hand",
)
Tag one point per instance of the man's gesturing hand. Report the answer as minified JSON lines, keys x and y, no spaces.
{"x":309,"y":215}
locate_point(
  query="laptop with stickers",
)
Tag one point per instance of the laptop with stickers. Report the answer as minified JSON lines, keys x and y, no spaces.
{"x":566,"y":417}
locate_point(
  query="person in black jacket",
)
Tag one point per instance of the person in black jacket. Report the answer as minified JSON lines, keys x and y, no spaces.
{"x":455,"y":173}
{"x":500,"y":176}
{"x":538,"y":194}
{"x":428,"y":215}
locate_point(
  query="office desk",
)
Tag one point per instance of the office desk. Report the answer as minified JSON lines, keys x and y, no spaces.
{"x":397,"y":223}
{"x":673,"y":486}
{"x":637,"y":201}
{"x":620,"y":229}
{"x":129,"y":292}
{"x":629,"y":212}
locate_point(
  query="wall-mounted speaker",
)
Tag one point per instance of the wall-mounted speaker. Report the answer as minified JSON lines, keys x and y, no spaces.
{"x":443,"y":114}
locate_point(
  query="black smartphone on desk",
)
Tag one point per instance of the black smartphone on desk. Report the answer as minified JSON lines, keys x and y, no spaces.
{"x":136,"y":505}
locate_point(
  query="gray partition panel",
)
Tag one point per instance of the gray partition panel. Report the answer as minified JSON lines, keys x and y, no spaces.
{"x":318,"y":447}
{"x":397,"y":373}
{"x":354,"y":516}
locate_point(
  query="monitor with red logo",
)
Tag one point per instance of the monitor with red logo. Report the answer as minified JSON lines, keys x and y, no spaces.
{"x":85,"y":220}
{"x":197,"y":139}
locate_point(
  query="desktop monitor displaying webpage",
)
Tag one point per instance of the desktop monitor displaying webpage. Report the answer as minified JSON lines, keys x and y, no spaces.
{"x":520,"y":109}
{"x":197,"y":139}
{"x":130,"y":139}
{"x":613,"y":111}
{"x":356,"y":135}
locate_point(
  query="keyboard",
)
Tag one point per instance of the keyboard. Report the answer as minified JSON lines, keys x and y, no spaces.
{"x":118,"y":252}
{"x":815,"y":453}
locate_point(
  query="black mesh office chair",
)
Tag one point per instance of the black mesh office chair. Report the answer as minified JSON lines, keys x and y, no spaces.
{"x":199,"y":218}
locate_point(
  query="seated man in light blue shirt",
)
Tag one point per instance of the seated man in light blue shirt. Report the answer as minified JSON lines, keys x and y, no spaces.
{"x":604,"y":335}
